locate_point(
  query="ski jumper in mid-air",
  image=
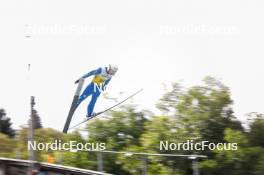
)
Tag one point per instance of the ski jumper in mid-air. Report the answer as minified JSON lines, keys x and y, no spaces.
{"x":102,"y":77}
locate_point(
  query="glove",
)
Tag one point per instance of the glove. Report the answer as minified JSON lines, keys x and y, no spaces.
{"x":77,"y":81}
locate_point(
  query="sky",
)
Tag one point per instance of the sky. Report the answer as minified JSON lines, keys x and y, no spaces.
{"x":153,"y":43}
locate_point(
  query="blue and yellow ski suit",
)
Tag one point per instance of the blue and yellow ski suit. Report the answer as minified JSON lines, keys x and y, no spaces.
{"x":98,"y":84}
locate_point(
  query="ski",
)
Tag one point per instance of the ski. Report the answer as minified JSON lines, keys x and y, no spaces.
{"x":107,"y":109}
{"x":73,"y":105}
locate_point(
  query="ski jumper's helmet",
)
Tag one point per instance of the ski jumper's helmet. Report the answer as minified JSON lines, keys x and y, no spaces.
{"x":112,"y":69}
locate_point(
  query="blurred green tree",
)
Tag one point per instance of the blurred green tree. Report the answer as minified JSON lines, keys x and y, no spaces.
{"x":36,"y":120}
{"x":7,"y":148}
{"x":256,"y":132}
{"x":122,"y":130}
{"x":5,"y":124}
{"x":245,"y":160}
{"x":204,"y":111}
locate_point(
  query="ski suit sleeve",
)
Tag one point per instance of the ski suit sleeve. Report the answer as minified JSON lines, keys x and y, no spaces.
{"x":93,"y":72}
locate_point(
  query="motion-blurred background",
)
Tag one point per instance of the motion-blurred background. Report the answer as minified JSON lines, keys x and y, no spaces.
{"x":200,"y":64}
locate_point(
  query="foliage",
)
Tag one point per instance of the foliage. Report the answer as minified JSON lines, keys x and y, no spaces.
{"x":36,"y":120}
{"x":5,"y":124}
{"x":199,"y":113}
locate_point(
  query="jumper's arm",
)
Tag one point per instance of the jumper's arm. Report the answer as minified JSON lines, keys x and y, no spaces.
{"x":93,"y":72}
